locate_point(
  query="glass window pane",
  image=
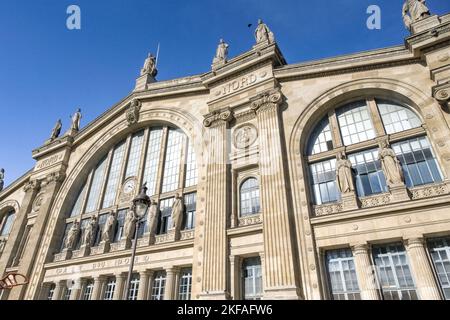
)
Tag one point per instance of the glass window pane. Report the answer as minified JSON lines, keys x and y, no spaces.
{"x":323,"y":178}
{"x":135,"y":155}
{"x":191,"y":167}
{"x":342,"y":274}
{"x":355,"y":123}
{"x":94,"y":192}
{"x":320,"y":140}
{"x":173,"y":160}
{"x":8,"y":221}
{"x":152,"y":159}
{"x":440,"y":253}
{"x":113,"y":182}
{"x":249,"y":196}
{"x":397,"y":118}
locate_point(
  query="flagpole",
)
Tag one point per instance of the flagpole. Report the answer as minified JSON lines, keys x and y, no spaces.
{"x":157,"y":56}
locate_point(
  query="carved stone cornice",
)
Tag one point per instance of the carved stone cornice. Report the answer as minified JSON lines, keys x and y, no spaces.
{"x":267,"y":101}
{"x":442,"y":93}
{"x":132,"y":113}
{"x":218,"y":117}
{"x":32,"y":185}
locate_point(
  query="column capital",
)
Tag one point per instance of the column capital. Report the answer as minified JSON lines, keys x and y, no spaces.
{"x":99,"y":278}
{"x":414,"y":242}
{"x":146,"y":273}
{"x":53,"y":177}
{"x":267,"y":100}
{"x":360,"y":248}
{"x":219,"y":117}
{"x":172,"y":270}
{"x":32,"y":185}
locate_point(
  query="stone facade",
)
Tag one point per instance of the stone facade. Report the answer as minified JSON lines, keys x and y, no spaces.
{"x":251,"y":116}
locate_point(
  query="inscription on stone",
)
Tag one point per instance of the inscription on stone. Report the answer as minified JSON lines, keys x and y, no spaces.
{"x":240,"y":83}
{"x":49,"y":161}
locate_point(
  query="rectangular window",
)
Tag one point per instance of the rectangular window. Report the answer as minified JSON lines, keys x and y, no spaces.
{"x":184,"y":292}
{"x":159,"y":284}
{"x":51,"y":292}
{"x":368,"y":173}
{"x":67,"y":293}
{"x":440,"y":254}
{"x":134,"y":287}
{"x":323,"y":176}
{"x":418,"y":162}
{"x":190,"y":202}
{"x":191,"y":167}
{"x":355,"y":123}
{"x":110,"y":288}
{"x":119,"y":226}
{"x":152,"y":159}
{"x":96,"y":185}
{"x":342,"y":275}
{"x":173,"y":160}
{"x":135,"y":155}
{"x":166,"y":215}
{"x":252,"y":279}
{"x":114,"y":176}
{"x":88,"y":289}
{"x":394,"y":272}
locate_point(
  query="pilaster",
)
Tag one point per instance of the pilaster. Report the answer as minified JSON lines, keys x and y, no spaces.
{"x":365,"y":273}
{"x":120,"y":284}
{"x":169,"y":292}
{"x":144,"y":283}
{"x":99,"y":283}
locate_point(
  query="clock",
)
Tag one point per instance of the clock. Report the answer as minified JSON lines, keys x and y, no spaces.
{"x":129,"y":187}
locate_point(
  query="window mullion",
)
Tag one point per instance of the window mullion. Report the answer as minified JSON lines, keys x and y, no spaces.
{"x":334,"y":126}
{"x":376,"y":118}
{"x":162,"y":157}
{"x":142,"y":160}
{"x":123,"y":167}
{"x":105,"y":178}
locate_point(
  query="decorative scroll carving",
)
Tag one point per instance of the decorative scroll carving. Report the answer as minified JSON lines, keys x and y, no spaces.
{"x":375,"y":201}
{"x":429,"y":191}
{"x":250,"y":220}
{"x":327,"y":209}
{"x":442,"y":93}
{"x":132,"y":114}
{"x":218,"y":117}
{"x":267,"y":100}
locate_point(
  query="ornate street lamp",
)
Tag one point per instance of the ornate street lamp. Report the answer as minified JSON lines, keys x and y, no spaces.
{"x":140,"y":207}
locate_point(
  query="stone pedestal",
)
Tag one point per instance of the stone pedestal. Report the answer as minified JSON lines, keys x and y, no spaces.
{"x":123,"y":244}
{"x":349,"y":201}
{"x":103,"y":247}
{"x":84,"y":251}
{"x":366,"y":273}
{"x":425,"y":24}
{"x":142,"y":81}
{"x":66,"y":254}
{"x":399,"y":193}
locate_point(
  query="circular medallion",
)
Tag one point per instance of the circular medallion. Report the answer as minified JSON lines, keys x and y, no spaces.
{"x":245,"y":136}
{"x":38,"y":202}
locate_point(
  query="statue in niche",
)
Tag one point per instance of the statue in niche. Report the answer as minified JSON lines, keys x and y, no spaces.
{"x":130,"y":224}
{"x":72,"y":235}
{"x":108,"y":229}
{"x":56,"y":130}
{"x":76,"y":119}
{"x":177,"y":213}
{"x":150,"y":66}
{"x":2,"y":179}
{"x":222,"y":52}
{"x":413,"y":11}
{"x":263,"y":33}
{"x":89,"y":232}
{"x":390,"y":165}
{"x":344,"y":176}
{"x":152,"y":218}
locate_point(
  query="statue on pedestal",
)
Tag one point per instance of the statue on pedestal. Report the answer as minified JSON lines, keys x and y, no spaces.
{"x":130,"y":224}
{"x":413,"y":11}
{"x":150,"y":66}
{"x":344,"y":176}
{"x":72,"y":235}
{"x":89,"y":232}
{"x":152,"y":218}
{"x":221,"y":53}
{"x":76,"y":118}
{"x":263,"y":33}
{"x":2,"y":179}
{"x":390,"y":165}
{"x":177,"y":213}
{"x":56,"y":130}
{"x":108,"y":230}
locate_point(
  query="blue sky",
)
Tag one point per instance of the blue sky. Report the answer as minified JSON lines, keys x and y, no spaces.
{"x":47,"y":71}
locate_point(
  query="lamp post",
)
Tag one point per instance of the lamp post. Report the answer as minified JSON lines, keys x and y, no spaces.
{"x":140,"y":205}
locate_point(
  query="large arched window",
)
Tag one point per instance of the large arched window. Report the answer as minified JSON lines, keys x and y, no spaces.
{"x":249,"y":197}
{"x":6,"y":223}
{"x":359,"y":126}
{"x":161,"y":156}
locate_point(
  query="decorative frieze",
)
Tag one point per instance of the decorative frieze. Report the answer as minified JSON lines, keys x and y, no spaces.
{"x":327,"y":209}
{"x":187,"y":234}
{"x":164,"y":238}
{"x":375,"y":201}
{"x":250,"y":220}
{"x":429,"y":191}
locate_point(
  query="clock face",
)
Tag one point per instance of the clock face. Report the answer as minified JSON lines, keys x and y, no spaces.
{"x":129,"y":187}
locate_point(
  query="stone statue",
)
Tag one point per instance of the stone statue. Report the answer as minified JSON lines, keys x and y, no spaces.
{"x":76,"y":118}
{"x":150,"y":66}
{"x":152,"y":218}
{"x":108,"y":229}
{"x":414,"y":10}
{"x":263,"y":33}
{"x":130,"y":224}
{"x":2,"y":179}
{"x":56,"y":130}
{"x":344,"y":176}
{"x":177,"y":213}
{"x":222,"y":52}
{"x":89,"y":232}
{"x":72,"y":235}
{"x":390,"y":165}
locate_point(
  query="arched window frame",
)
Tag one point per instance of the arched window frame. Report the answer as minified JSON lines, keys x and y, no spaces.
{"x":9,"y":217}
{"x":242,"y":181}
{"x":367,"y":145}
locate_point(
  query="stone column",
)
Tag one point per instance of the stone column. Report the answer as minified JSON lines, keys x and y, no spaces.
{"x":426,"y":285}
{"x":144,"y":278}
{"x":45,"y":290}
{"x":120,"y":284}
{"x":169,"y":292}
{"x":215,"y":250}
{"x":365,"y":272}
{"x":59,"y":288}
{"x":235,"y":263}
{"x":76,"y":289}
{"x":99,"y":282}
{"x":18,"y":228}
{"x":280,"y":271}
{"x":50,"y":186}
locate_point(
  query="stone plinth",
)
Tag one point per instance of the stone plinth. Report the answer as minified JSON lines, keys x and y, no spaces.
{"x":84,"y":251}
{"x":425,"y":24}
{"x":123,"y":244}
{"x":349,"y":201}
{"x":399,"y":193}
{"x":66,"y":254}
{"x":103,"y":247}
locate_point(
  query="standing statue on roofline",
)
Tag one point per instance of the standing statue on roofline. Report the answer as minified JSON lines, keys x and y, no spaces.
{"x":413,"y":11}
